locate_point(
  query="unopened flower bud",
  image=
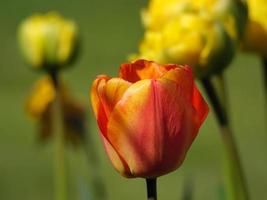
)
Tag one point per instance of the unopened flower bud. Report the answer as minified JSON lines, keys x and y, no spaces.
{"x":48,"y":40}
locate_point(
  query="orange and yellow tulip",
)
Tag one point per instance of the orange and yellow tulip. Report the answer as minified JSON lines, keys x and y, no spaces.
{"x":148,"y":116}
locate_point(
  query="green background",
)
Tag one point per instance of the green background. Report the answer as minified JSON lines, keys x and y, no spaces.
{"x":110,"y":30}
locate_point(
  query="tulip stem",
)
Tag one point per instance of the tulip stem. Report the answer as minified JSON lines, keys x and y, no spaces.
{"x":220,"y":86}
{"x":60,"y":178}
{"x":188,"y":189}
{"x":236,"y":175}
{"x":220,"y":113}
{"x":98,"y":183}
{"x":151,"y":185}
{"x":265,"y":72}
{"x":265,"y":80}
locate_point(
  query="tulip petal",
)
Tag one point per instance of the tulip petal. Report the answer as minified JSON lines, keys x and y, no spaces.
{"x":148,"y":127}
{"x":127,"y":122}
{"x":114,"y":90}
{"x":183,"y":76}
{"x":117,"y":161}
{"x":141,"y":69}
{"x":107,"y":92}
{"x":100,"y":97}
{"x":200,"y":106}
{"x":97,"y":103}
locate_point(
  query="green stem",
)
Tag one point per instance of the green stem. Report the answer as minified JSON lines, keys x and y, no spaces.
{"x":265,"y":72}
{"x":220,"y":88}
{"x":188,"y":189}
{"x":60,"y":178}
{"x":98,"y":183}
{"x":265,"y":81}
{"x":151,"y":185}
{"x":237,"y":185}
{"x":236,"y":175}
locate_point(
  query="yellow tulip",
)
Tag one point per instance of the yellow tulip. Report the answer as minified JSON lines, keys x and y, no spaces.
{"x":192,"y":39}
{"x":43,"y":94}
{"x":255,"y":38}
{"x":231,"y":13}
{"x":159,"y":12}
{"x":47,"y":40}
{"x":39,"y":107}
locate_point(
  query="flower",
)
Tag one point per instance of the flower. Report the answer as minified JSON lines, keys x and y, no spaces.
{"x":204,"y":34}
{"x":148,"y":116}
{"x":39,"y":107}
{"x":232,"y":13}
{"x":255,"y":37}
{"x":193,"y":39}
{"x":47,"y":40}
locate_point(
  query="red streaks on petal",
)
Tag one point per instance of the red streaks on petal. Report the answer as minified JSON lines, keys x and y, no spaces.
{"x":148,"y":126}
{"x":141,"y":69}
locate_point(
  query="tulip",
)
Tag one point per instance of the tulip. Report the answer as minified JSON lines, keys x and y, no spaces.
{"x":148,"y":117}
{"x":39,"y":108}
{"x":193,"y":39}
{"x":47,"y":40}
{"x":255,"y":38}
{"x":204,"y":34}
{"x":201,"y":33}
{"x":231,"y":12}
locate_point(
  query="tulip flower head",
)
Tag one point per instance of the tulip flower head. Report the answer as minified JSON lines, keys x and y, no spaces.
{"x":47,"y":40}
{"x":193,"y":39}
{"x":203,"y":33}
{"x":148,"y":117}
{"x":231,"y":13}
{"x":255,"y":38}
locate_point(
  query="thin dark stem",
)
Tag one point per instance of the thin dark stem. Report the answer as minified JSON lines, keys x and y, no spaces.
{"x":264,"y":60}
{"x":60,"y":176}
{"x":54,"y":76}
{"x":98,"y":183}
{"x":188,"y":189}
{"x":265,"y":72}
{"x":235,"y":166}
{"x":151,"y":185}
{"x":220,"y":113}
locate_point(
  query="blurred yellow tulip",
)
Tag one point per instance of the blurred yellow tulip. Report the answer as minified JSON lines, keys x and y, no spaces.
{"x":43,"y":94}
{"x":192,"y":39}
{"x":255,"y":38}
{"x":231,"y":13}
{"x":47,"y":40}
{"x":39,"y":107}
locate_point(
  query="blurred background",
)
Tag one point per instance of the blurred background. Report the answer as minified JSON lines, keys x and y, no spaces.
{"x":109,"y":31}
